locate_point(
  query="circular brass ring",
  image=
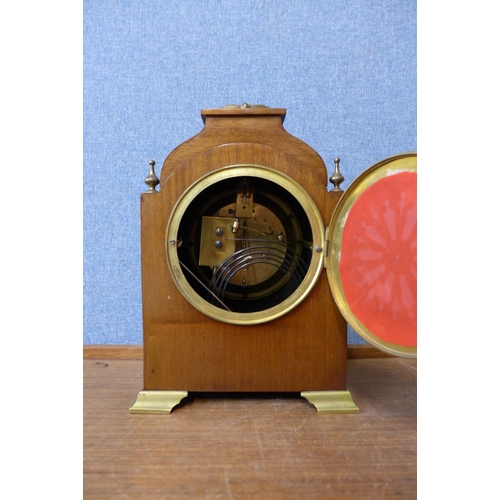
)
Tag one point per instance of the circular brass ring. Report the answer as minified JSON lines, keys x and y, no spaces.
{"x":313,"y":272}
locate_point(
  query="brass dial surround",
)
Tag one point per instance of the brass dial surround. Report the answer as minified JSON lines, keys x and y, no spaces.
{"x":177,"y":270}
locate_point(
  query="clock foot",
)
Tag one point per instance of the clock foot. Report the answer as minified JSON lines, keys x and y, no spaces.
{"x":331,"y":401}
{"x":157,"y":401}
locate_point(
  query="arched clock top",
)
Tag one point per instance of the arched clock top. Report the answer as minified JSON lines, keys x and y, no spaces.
{"x":245,"y":124}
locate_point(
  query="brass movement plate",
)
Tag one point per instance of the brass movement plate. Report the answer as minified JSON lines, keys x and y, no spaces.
{"x":217,"y":243}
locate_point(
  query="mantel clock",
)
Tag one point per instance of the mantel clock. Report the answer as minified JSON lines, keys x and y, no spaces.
{"x":251,"y":266}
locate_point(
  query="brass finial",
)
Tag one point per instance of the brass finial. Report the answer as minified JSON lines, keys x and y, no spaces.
{"x":151,"y":180}
{"x":337,"y":178}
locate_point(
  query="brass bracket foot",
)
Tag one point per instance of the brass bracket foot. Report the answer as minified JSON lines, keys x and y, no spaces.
{"x":331,"y":401}
{"x":157,"y":401}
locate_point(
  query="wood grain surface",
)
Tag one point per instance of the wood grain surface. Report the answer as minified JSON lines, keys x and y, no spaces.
{"x":251,"y":446}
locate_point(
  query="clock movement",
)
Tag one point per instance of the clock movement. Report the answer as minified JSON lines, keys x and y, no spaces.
{"x":251,"y":265}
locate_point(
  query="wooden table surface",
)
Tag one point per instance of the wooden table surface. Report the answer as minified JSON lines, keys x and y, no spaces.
{"x":246,"y":446}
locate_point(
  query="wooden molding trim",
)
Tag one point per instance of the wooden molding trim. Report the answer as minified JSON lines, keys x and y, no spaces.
{"x":112,"y":351}
{"x":123,"y":351}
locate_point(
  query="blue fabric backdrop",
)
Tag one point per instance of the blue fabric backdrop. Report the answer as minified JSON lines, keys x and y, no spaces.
{"x":345,"y":70}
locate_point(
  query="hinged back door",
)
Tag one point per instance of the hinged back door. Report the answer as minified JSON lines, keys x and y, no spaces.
{"x":372,"y":255}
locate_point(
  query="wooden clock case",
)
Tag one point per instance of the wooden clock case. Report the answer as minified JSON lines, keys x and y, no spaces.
{"x":304,"y":350}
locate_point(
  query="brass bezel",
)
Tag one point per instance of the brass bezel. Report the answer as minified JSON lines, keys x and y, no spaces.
{"x":315,"y":267}
{"x":406,"y":162}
